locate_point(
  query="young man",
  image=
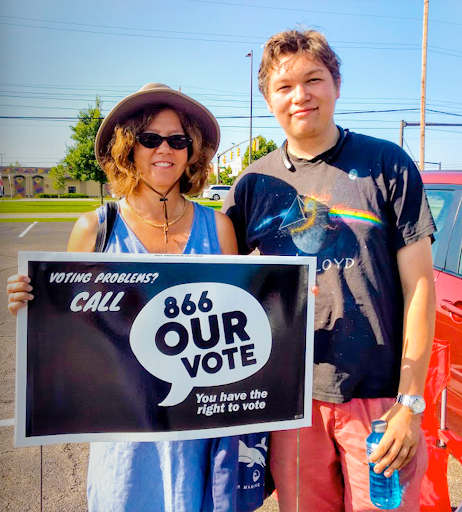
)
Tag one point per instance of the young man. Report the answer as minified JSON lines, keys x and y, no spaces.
{"x":358,"y":204}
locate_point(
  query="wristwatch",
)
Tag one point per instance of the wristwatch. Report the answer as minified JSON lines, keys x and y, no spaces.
{"x":415,"y":402}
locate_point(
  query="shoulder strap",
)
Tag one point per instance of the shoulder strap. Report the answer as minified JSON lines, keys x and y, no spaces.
{"x":105,"y":228}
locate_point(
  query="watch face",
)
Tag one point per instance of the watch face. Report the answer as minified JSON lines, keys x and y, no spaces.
{"x":418,"y":405}
{"x":415,"y":403}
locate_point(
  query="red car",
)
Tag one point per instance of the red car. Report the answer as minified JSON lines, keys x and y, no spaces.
{"x":444,"y":192}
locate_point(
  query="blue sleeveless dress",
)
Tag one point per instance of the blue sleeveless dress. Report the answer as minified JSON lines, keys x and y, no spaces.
{"x":173,"y":476}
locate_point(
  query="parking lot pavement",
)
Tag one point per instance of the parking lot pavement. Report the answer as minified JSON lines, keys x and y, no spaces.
{"x":57,"y":478}
{"x":64,"y":466}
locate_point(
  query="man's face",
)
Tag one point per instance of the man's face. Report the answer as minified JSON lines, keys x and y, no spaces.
{"x":302,"y":95}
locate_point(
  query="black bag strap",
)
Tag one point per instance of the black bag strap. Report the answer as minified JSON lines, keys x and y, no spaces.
{"x":105,"y":228}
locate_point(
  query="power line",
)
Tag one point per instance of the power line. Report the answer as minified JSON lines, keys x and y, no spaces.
{"x":440,"y":130}
{"x":441,"y":112}
{"x":195,"y":38}
{"x":445,"y":49}
{"x":410,"y":151}
{"x":349,"y":112}
{"x":446,"y":53}
{"x":128,"y":35}
{"x":130,"y":89}
{"x":59,"y":118}
{"x":226,"y":102}
{"x":259,"y":39}
{"x":36,"y":106}
{"x":319,"y":12}
{"x":262,"y":38}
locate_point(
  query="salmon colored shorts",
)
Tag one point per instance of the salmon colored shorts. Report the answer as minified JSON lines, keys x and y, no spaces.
{"x":334,"y":474}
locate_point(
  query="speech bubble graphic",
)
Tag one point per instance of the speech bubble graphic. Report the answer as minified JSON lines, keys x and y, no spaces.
{"x":201,"y":334}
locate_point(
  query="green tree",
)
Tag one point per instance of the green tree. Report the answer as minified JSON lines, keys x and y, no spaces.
{"x":264,"y":147}
{"x":80,"y":158}
{"x":226,"y":178}
{"x":58,"y":177}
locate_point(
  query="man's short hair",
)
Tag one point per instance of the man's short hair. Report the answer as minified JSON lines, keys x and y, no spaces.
{"x":295,"y":42}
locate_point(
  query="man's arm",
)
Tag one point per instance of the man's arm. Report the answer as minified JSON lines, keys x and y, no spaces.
{"x":401,"y":439}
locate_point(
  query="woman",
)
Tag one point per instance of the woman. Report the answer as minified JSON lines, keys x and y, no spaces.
{"x":156,"y":145}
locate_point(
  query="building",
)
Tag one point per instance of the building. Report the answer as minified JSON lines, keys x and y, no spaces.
{"x":22,"y":182}
{"x":235,"y":165}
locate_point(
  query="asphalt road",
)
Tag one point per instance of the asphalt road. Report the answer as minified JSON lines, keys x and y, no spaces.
{"x":63,"y":467}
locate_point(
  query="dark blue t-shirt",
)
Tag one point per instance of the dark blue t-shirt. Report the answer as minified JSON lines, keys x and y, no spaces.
{"x":353,"y":207}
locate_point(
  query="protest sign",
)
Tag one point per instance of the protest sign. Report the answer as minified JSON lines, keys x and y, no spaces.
{"x":118,"y":347}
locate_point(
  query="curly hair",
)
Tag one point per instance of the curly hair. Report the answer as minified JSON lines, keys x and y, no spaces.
{"x":296,"y":42}
{"x":118,"y":161}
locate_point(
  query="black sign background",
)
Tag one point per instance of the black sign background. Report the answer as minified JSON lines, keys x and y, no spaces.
{"x":82,"y":376}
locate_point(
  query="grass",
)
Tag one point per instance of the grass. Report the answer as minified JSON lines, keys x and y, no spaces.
{"x":65,"y":206}
{"x":44,"y":206}
{"x":44,"y":219}
{"x":216,"y":205}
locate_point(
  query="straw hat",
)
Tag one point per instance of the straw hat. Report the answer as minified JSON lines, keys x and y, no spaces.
{"x":150,"y":95}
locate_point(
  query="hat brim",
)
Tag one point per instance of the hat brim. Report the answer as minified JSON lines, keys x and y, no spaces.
{"x":141,"y":100}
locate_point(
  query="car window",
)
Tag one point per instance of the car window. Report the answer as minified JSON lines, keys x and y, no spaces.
{"x":439,"y":201}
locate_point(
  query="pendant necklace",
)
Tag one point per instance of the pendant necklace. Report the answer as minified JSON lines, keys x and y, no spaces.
{"x":163,"y":199}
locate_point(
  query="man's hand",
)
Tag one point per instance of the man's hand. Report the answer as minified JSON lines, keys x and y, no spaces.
{"x":400,"y":441}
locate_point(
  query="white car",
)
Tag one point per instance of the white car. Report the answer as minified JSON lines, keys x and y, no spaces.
{"x":216,"y":192}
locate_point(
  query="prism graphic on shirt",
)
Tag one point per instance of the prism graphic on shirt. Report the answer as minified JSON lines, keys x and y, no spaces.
{"x":310,"y":223}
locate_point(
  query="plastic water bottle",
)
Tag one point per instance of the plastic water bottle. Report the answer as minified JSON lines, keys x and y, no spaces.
{"x":384,"y":492}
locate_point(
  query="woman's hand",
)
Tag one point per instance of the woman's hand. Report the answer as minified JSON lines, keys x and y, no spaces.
{"x":18,"y":290}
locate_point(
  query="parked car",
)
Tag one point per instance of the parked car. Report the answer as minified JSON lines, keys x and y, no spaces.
{"x":216,"y":192}
{"x":444,"y":192}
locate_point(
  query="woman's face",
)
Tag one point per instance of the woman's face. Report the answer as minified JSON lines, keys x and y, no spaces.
{"x":161,"y":166}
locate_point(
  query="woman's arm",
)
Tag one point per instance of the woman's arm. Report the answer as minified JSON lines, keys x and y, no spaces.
{"x":226,"y":234}
{"x":83,"y":236}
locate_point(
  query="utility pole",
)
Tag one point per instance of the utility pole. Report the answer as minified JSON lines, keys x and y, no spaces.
{"x":423,"y":86}
{"x":250,"y":134}
{"x":402,"y":124}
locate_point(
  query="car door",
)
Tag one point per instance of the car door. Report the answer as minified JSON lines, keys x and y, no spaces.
{"x":445,"y":203}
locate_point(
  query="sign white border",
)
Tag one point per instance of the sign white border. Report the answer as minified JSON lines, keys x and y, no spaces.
{"x":20,"y":438}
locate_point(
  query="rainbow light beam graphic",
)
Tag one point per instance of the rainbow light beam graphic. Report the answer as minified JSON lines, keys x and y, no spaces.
{"x":354,"y":216}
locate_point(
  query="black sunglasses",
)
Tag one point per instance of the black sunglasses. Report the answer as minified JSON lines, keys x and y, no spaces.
{"x":154,"y":140}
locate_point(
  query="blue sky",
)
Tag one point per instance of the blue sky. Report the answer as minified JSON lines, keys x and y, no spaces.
{"x":57,"y":55}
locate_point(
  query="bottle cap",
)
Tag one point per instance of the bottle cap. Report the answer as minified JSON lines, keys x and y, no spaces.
{"x":379,"y":426}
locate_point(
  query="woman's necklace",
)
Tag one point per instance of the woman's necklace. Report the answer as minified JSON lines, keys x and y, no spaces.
{"x":166,"y":223}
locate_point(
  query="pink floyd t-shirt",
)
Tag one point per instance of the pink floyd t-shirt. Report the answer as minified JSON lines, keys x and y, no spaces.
{"x":353,"y":207}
